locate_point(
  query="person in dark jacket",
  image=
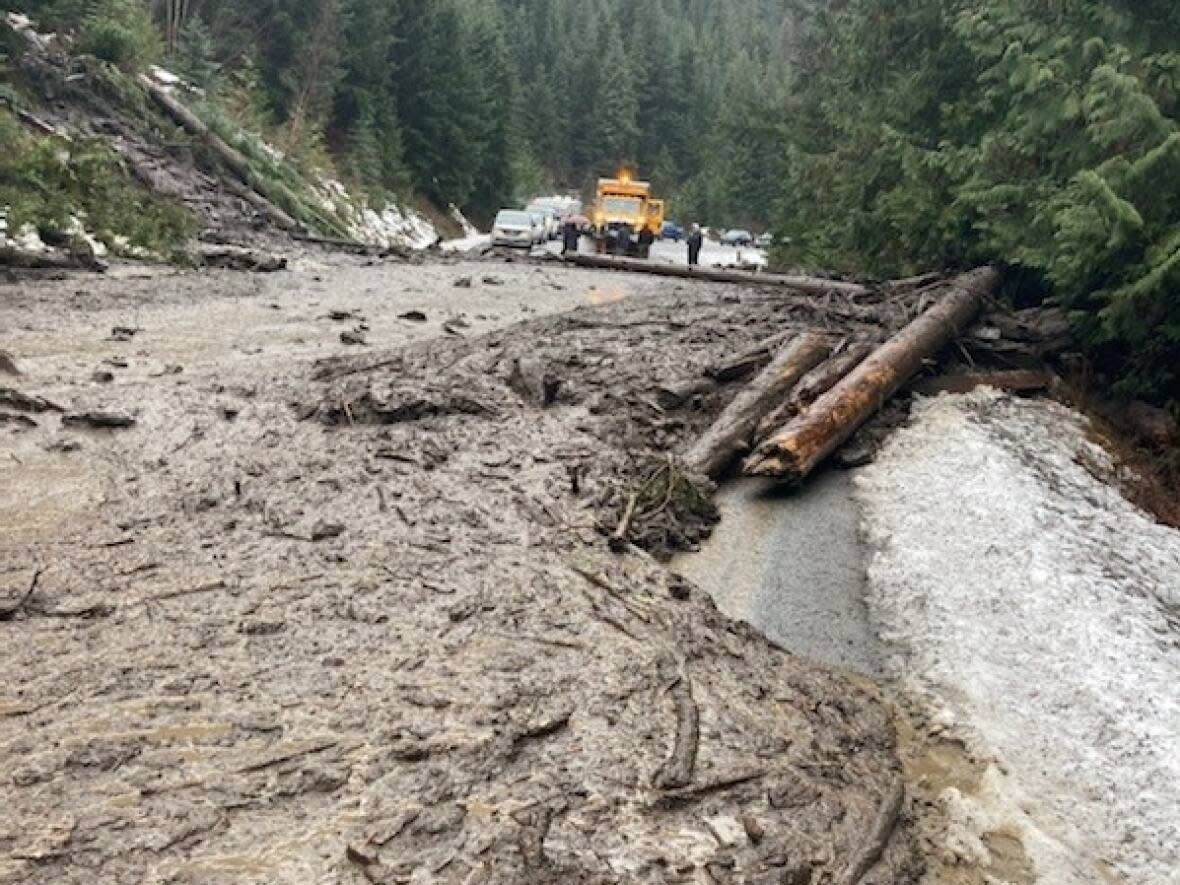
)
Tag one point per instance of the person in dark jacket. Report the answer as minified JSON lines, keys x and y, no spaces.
{"x":646,"y":238}
{"x":695,"y":241}
{"x":570,"y":236}
{"x":623,"y":244}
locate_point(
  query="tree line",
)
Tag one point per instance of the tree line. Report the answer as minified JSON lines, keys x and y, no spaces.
{"x":876,"y":136}
{"x":481,"y":102}
{"x":1042,"y":135}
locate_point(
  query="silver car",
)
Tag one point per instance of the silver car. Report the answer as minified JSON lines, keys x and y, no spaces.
{"x":514,"y":229}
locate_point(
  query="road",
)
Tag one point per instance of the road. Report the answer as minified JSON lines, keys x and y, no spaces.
{"x":349,"y":621}
{"x":792,"y":565}
{"x":712,"y":254}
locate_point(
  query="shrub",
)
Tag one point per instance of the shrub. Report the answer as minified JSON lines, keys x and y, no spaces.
{"x":122,"y":33}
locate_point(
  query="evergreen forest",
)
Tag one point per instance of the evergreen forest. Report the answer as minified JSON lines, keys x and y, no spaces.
{"x":878,"y":137}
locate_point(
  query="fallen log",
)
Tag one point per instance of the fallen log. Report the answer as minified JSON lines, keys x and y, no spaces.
{"x":795,"y":450}
{"x":232,"y":158}
{"x":814,"y":384}
{"x":750,"y":361}
{"x":1015,"y":381}
{"x":680,"y":393}
{"x":11,"y":256}
{"x":235,"y":258}
{"x":13,"y":399}
{"x":810,"y":285}
{"x":731,"y":433}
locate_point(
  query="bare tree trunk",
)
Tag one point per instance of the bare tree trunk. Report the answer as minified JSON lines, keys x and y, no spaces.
{"x":232,"y":158}
{"x":802,"y":444}
{"x":731,"y":433}
{"x":815,"y":384}
{"x":814,"y":285}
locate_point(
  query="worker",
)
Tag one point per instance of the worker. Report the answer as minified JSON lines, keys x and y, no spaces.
{"x":570,"y":236}
{"x":695,"y":240}
{"x":623,"y":244}
{"x":646,"y":238}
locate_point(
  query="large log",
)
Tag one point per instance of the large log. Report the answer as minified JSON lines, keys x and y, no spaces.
{"x":231,"y":157}
{"x":731,"y":433}
{"x":809,"y":285}
{"x":814,"y":384}
{"x":677,"y":394}
{"x":807,"y":439}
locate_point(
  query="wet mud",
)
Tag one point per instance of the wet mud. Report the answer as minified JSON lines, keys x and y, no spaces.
{"x":322,"y":615}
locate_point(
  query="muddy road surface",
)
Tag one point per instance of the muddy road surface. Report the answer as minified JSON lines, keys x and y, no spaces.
{"x":312,"y":611}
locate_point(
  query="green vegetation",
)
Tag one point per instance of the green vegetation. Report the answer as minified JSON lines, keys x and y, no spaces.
{"x":879,"y":136}
{"x":50,"y":182}
{"x":1043,"y":136}
{"x":481,"y":102}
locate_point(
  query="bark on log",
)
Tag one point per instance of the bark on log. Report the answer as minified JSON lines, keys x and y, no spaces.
{"x":673,"y":396}
{"x":815,"y":384}
{"x":810,"y":285}
{"x":802,"y":444}
{"x":232,"y":158}
{"x":731,"y":434}
{"x":749,"y":362}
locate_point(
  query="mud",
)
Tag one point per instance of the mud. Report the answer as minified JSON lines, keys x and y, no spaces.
{"x":325,"y":617}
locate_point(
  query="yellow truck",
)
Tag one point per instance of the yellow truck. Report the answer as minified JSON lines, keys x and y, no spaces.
{"x":626,"y":203}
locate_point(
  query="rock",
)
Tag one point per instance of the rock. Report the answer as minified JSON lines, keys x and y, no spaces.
{"x":261,"y":627}
{"x":98,"y":420}
{"x":354,"y":337}
{"x":123,"y":333}
{"x":8,"y":364}
{"x":463,"y":283}
{"x":102,"y":376}
{"x":493,"y":281}
{"x":413,"y":316}
{"x":855,"y":454}
{"x":324,"y":531}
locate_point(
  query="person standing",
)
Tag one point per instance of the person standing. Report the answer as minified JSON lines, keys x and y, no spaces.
{"x":624,"y":242}
{"x":570,"y":236}
{"x":646,"y":239}
{"x":695,"y":241}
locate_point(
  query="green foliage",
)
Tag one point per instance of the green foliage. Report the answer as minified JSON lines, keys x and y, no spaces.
{"x":47,"y":182}
{"x":120,"y":32}
{"x":1044,"y":136}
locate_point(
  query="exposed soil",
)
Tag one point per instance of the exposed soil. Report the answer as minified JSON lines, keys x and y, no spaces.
{"x":321,"y":615}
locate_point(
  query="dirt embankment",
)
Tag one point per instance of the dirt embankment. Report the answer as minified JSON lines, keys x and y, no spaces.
{"x":357,"y":621}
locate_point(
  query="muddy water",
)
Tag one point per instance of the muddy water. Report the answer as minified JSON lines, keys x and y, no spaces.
{"x":791,"y":564}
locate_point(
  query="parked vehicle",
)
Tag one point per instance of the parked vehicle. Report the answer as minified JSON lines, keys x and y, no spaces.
{"x":514,"y":229}
{"x":737,"y":238}
{"x":551,"y":218}
{"x":672,"y":231}
{"x":540,"y":229}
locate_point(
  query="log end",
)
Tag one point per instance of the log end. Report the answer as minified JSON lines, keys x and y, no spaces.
{"x":775,"y":464}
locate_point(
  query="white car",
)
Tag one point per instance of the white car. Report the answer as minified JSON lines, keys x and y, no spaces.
{"x":549,"y":217}
{"x":514,"y":229}
{"x":540,"y":227}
